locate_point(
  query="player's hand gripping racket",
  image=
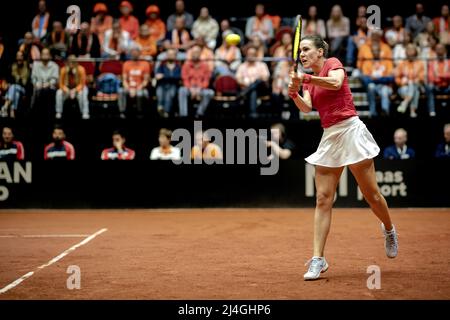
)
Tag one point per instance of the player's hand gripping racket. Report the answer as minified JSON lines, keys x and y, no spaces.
{"x":297,"y":39}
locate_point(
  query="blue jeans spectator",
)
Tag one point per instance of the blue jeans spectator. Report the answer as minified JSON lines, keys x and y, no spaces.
{"x":205,"y":97}
{"x":166,"y":94}
{"x":379,"y":87}
{"x":431,"y":92}
{"x":12,"y":96}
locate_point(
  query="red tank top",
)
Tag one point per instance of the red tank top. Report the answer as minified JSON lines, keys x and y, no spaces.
{"x":333,"y":106}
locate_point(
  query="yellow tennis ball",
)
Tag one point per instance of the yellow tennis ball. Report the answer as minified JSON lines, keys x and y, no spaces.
{"x":233,"y":39}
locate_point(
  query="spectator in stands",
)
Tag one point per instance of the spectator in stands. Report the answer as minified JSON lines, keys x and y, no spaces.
{"x":135,"y":78}
{"x":410,"y":76}
{"x":146,"y":42}
{"x":10,"y":149}
{"x":127,"y":21}
{"x":312,"y":25}
{"x":228,"y":58}
{"x":58,"y":41}
{"x":442,"y":25}
{"x":156,"y":26}
{"x":399,"y":150}
{"x":165,"y":151}
{"x":206,"y":55}
{"x":356,"y":41}
{"x":378,"y":75}
{"x":438,"y":77}
{"x":119,"y":151}
{"x":44,"y":77}
{"x":29,"y":49}
{"x":281,"y":68}
{"x":180,"y":12}
{"x":375,"y":64}
{"x":117,"y":42}
{"x":399,"y":51}
{"x":59,"y":149}
{"x":417,"y":22}
{"x":204,"y":149}
{"x":168,"y":75}
{"x":206,"y":27}
{"x":41,"y":21}
{"x":338,"y":29}
{"x":17,"y":85}
{"x":259,"y":25}
{"x":179,"y":37}
{"x":85,"y":44}
{"x":443,"y":149}
{"x":396,"y":34}
{"x":257,"y":43}
{"x":72,"y":85}
{"x":424,"y":41}
{"x":101,"y":21}
{"x":224,"y":30}
{"x":252,"y":76}
{"x":279,"y":144}
{"x":196,"y":75}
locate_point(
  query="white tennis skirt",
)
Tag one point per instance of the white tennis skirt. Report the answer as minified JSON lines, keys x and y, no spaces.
{"x":344,"y":143}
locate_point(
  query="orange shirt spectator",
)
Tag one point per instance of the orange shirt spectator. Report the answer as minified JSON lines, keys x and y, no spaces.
{"x":439,"y":70}
{"x":72,"y":80}
{"x":127,"y":21}
{"x":196,"y":74}
{"x":409,"y":71}
{"x":146,"y":42}
{"x":40,"y":23}
{"x":207,"y":55}
{"x":101,"y":21}
{"x":30,"y":51}
{"x":135,"y":73}
{"x":442,"y":25}
{"x":156,"y":26}
{"x":365,"y":51}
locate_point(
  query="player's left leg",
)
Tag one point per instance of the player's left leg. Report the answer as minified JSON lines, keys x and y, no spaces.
{"x":364,"y":173}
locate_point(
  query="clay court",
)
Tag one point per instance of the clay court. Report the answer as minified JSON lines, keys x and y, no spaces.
{"x":218,"y":254}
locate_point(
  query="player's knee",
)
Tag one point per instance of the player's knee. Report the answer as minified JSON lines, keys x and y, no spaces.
{"x":324,"y":200}
{"x":374,"y":198}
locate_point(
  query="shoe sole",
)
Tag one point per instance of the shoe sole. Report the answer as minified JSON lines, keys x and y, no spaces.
{"x":318,"y":277}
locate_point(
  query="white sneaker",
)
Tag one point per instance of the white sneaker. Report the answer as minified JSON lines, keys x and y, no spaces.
{"x":390,"y":241}
{"x":432,"y":114}
{"x":317,"y":265}
{"x":413,"y":114}
{"x":4,"y":112}
{"x":58,"y":115}
{"x":402,"y":107}
{"x":85,"y":116}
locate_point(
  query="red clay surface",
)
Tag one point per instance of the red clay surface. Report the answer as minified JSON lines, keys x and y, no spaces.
{"x":222,"y":254}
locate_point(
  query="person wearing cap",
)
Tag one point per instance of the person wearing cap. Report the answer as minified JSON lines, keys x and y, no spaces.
{"x":146,"y":42}
{"x":101,"y":21}
{"x":156,"y":26}
{"x":128,"y":22}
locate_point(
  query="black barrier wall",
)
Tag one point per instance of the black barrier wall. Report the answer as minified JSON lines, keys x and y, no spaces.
{"x":150,"y":184}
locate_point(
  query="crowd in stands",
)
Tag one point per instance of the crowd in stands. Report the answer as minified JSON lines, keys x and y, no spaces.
{"x":185,"y":60}
{"x":204,"y":148}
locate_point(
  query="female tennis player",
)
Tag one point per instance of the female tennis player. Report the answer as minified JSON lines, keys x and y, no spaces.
{"x":345,"y":142}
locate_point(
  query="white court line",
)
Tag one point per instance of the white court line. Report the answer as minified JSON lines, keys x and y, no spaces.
{"x":52,"y":261}
{"x":44,"y":236}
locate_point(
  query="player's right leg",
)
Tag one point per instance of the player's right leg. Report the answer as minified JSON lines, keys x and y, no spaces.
{"x":326,"y":182}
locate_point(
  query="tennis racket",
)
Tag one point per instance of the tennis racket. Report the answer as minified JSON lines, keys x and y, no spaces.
{"x":297,"y":39}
